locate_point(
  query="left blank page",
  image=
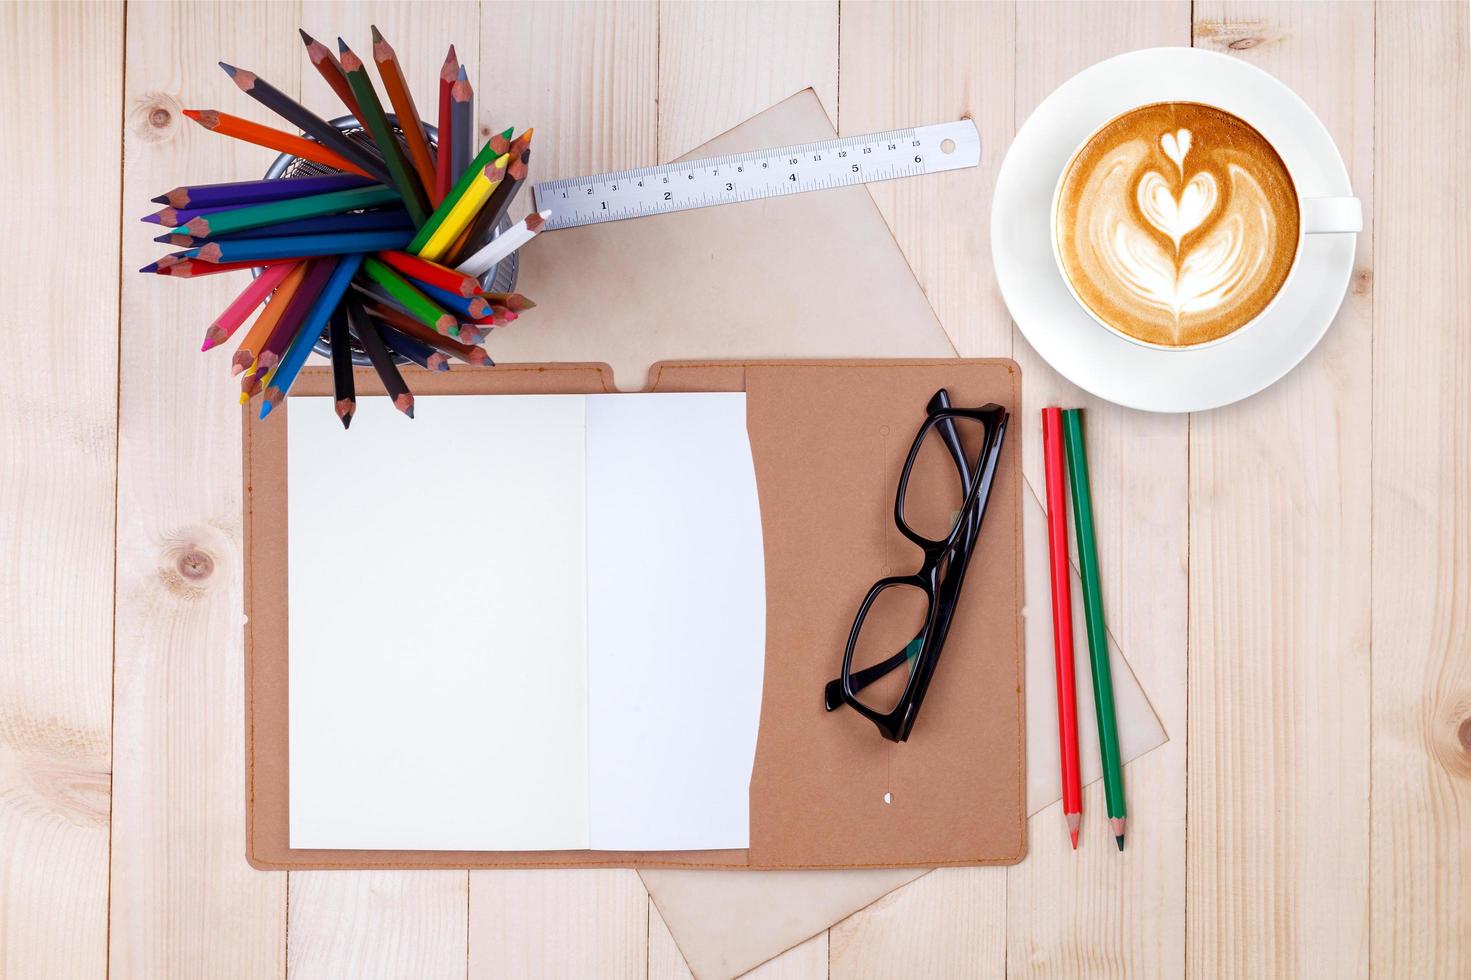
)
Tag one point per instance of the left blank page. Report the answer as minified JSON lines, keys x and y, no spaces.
{"x":437,"y":625}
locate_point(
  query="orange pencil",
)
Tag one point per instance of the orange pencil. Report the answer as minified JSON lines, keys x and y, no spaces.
{"x":403,"y":106}
{"x":256,"y":336}
{"x":272,"y":139}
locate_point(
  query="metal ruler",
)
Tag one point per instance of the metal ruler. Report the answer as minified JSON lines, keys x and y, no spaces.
{"x":759,"y":174}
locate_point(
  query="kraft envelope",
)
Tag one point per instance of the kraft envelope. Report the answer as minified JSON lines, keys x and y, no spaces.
{"x":762,"y":279}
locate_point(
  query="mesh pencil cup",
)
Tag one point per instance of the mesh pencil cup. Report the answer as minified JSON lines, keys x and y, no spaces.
{"x":499,"y":278}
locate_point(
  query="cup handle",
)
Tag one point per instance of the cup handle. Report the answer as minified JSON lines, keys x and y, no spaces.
{"x":1332,"y":215}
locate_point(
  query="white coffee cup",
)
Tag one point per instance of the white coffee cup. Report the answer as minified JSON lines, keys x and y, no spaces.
{"x":1316,"y":216}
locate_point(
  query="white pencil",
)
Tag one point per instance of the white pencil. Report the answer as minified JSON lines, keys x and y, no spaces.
{"x":503,"y":245}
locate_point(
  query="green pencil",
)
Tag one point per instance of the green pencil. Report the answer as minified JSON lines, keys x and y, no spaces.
{"x":404,"y":177}
{"x":419,"y":306}
{"x":1108,"y":726}
{"x":483,"y":159}
{"x":260,"y":215}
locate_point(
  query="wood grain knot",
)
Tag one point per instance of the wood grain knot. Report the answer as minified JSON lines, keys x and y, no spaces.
{"x":82,"y":797}
{"x":190,"y":564}
{"x":154,"y":117}
{"x":1451,"y":739}
{"x":1363,"y":281}
{"x":1235,"y":36}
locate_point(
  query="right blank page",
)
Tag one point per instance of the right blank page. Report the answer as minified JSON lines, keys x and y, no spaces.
{"x":676,"y":620}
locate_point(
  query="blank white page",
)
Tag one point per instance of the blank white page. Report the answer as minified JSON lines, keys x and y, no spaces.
{"x":676,"y":620}
{"x":437,"y":624}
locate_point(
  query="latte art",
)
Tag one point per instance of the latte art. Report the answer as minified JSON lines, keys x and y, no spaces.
{"x":1177,"y":223}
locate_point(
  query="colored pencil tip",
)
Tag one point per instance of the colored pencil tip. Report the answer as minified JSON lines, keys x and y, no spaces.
{"x":462,"y":75}
{"x":229,"y":69}
{"x":410,"y":413}
{"x":150,"y":267}
{"x":306,"y":38}
{"x":1120,"y":841}
{"x":1074,"y":835}
{"x":244,"y":397}
{"x":347,"y":421}
{"x":342,"y":47}
{"x":160,"y":199}
{"x":452,"y":56}
{"x":377,"y":35}
{"x":192,"y":114}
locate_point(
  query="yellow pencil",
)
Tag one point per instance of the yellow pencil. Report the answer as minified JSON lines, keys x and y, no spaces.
{"x":465,"y":209}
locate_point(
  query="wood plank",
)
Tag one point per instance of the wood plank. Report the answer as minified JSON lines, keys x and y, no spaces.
{"x":591,"y":89}
{"x":807,"y":961}
{"x":722,"y":63}
{"x":558,"y":924}
{"x":1421,"y":718}
{"x":919,"y":63}
{"x":949,"y":923}
{"x":369,"y":924}
{"x":57,"y":477}
{"x":591,"y":92}
{"x":184,"y":902}
{"x":1097,"y":910}
{"x":909,"y":64}
{"x":1278,"y":877}
{"x":389,"y":924}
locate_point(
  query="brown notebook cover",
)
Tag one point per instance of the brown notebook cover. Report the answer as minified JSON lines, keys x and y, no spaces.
{"x":828,"y":439}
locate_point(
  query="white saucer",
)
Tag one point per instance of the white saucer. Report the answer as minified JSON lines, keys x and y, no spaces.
{"x":1074,"y":343}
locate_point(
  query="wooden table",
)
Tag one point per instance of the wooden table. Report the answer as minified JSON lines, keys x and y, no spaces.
{"x":1291,"y":576}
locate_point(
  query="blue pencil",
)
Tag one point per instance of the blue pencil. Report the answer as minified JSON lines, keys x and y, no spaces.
{"x":259,"y":191}
{"x":461,"y":306}
{"x":311,"y":328}
{"x":417,"y":351}
{"x":396,"y":219}
{"x":299,"y":246}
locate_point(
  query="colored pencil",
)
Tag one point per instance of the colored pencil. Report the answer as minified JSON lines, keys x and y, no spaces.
{"x":444,"y":175}
{"x":194,"y":268}
{"x":265,"y":324}
{"x":292,"y":317}
{"x":305,"y":120}
{"x":499,"y":204}
{"x":512,"y":301}
{"x":327,"y":65}
{"x":344,"y":392}
{"x":237,"y":192}
{"x":299,"y":246}
{"x":467,"y":204}
{"x":465,"y":308}
{"x":1062,"y":620}
{"x":285,"y":328}
{"x":1108,"y":730}
{"x":503,"y":245}
{"x":284,"y":376}
{"x":462,"y":114}
{"x":406,"y":324}
{"x":432,"y":273}
{"x":420,"y":306}
{"x":395,"y":219}
{"x":484,"y":158}
{"x":366,"y":331}
{"x":391,"y":73}
{"x":377,"y":122}
{"x":419,"y":353}
{"x":243,"y":305}
{"x":260,"y":215}
{"x":272,"y":139}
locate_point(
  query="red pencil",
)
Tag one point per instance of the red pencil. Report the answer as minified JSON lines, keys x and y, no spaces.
{"x":444,"y":175}
{"x":1062,"y":620}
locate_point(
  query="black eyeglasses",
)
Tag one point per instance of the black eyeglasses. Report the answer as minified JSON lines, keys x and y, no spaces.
{"x":904,"y":619}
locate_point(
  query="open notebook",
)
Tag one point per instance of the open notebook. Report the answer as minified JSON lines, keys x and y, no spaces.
{"x":491,"y":615}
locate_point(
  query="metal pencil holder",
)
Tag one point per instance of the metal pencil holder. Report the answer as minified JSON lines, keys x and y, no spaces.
{"x":499,"y":278}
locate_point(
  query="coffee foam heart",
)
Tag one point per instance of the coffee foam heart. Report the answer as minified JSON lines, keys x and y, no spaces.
{"x":1177,"y":223}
